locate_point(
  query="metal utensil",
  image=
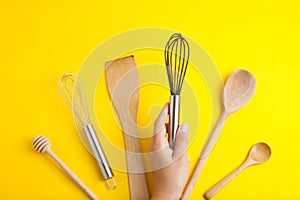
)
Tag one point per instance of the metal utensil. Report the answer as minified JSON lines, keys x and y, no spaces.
{"x":177,"y":53}
{"x":72,"y":91}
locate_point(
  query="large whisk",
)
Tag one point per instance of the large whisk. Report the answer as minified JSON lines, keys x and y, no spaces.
{"x":177,"y":53}
{"x":72,"y":91}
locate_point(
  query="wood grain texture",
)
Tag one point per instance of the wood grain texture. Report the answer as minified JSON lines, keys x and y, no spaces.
{"x":259,"y":153}
{"x":43,"y":145}
{"x":123,"y":85}
{"x":238,"y":90}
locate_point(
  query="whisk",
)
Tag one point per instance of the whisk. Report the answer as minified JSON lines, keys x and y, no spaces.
{"x":72,"y":91}
{"x":177,"y":53}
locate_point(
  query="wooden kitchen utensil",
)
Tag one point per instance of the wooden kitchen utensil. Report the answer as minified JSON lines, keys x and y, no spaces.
{"x":238,"y":90}
{"x":42,"y":144}
{"x":258,"y":154}
{"x":123,"y":85}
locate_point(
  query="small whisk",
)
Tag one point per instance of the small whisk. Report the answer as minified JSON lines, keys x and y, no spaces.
{"x":177,"y":53}
{"x":72,"y":91}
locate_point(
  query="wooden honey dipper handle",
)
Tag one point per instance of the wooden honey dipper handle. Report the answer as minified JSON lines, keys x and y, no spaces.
{"x":42,"y":145}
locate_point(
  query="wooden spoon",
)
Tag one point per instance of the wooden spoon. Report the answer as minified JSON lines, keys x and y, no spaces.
{"x":259,"y":153}
{"x":123,"y":85}
{"x":238,"y":90}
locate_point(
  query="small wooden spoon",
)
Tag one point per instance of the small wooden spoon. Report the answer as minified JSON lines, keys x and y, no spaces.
{"x":259,"y":153}
{"x":238,"y":90}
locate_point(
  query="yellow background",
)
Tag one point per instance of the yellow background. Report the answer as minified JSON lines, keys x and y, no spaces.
{"x":41,"y":40}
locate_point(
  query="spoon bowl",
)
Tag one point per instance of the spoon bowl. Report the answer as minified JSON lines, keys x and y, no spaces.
{"x":239,"y":89}
{"x":260,"y":153}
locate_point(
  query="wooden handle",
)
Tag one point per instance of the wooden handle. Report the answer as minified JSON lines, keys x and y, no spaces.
{"x":72,"y":175}
{"x":123,"y":85}
{"x":210,"y":143}
{"x":222,"y":183}
{"x":137,"y":181}
{"x":193,"y":179}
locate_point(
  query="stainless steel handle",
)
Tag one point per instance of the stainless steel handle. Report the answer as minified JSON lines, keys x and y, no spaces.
{"x":173,"y":118}
{"x":99,"y":154}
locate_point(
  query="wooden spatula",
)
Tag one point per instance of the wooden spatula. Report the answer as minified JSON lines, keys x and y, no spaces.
{"x":123,"y":85}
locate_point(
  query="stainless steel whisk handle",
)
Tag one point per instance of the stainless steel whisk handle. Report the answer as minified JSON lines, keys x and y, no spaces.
{"x":99,"y":155}
{"x":173,"y":119}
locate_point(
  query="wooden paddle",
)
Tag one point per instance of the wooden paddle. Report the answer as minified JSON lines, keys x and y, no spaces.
{"x":123,"y":85}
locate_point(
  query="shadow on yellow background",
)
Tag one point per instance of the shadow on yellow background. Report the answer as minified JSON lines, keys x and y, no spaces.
{"x":41,"y":40}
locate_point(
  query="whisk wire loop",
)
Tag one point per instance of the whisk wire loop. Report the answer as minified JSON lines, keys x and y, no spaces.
{"x":177,"y":53}
{"x":73,"y":92}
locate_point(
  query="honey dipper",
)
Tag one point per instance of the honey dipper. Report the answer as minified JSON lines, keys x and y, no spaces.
{"x":42,"y":145}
